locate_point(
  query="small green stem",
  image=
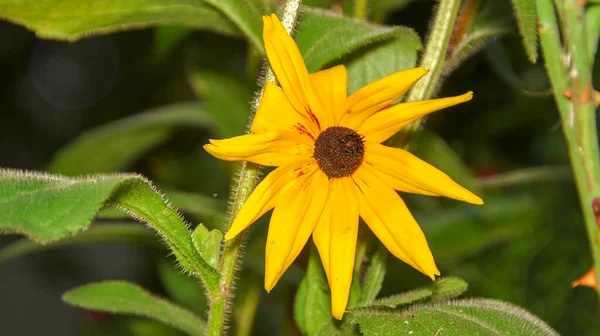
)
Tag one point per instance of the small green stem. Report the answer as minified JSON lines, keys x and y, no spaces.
{"x":432,"y":59}
{"x":361,"y":9}
{"x":570,"y":74}
{"x":221,"y":298}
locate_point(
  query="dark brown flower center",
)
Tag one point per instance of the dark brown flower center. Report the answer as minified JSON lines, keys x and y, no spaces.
{"x":339,"y":151}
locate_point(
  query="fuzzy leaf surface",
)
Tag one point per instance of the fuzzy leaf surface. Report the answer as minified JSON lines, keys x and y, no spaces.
{"x":442,"y":289}
{"x":324,"y":37}
{"x":382,"y":59}
{"x":126,"y":298}
{"x":461,"y":317}
{"x":49,"y":207}
{"x":526,"y":13}
{"x":74,"y":19}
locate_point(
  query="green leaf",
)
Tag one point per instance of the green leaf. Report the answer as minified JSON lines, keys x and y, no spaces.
{"x":117,"y":145}
{"x":442,"y":289}
{"x":463,"y":317}
{"x":374,"y":275}
{"x":226,"y":97}
{"x":182,"y":288}
{"x":324,"y":37}
{"x":71,"y":20}
{"x":127,"y":298}
{"x":526,"y":13}
{"x":592,"y":28}
{"x":313,"y":301}
{"x":113,"y":232}
{"x":382,"y":59}
{"x":246,"y":15}
{"x":448,"y":288}
{"x":64,"y":206}
{"x":434,"y":150}
{"x":393,"y":301}
{"x":208,"y":244}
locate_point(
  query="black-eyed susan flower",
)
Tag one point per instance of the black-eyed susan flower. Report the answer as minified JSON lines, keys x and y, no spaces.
{"x":332,"y":167}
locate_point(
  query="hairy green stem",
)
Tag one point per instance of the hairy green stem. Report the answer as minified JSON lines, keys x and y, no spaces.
{"x":433,"y":59}
{"x":221,"y":298}
{"x":570,"y":75}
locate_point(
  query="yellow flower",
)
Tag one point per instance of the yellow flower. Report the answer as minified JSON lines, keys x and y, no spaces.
{"x":332,"y":167}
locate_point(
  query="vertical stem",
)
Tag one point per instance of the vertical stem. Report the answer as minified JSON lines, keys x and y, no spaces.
{"x":433,"y":59}
{"x":582,"y":135}
{"x":221,"y":298}
{"x":435,"y":51}
{"x":361,"y":9}
{"x":573,"y":92}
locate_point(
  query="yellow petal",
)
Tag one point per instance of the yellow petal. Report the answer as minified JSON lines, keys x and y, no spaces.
{"x":335,"y":237}
{"x":287,"y":64}
{"x":406,"y":172}
{"x":267,"y":193}
{"x":275,"y":112}
{"x":293,"y":221}
{"x":387,"y":216}
{"x":332,"y":85}
{"x":321,"y":236}
{"x":269,"y":149}
{"x":377,"y":96}
{"x":382,"y":125}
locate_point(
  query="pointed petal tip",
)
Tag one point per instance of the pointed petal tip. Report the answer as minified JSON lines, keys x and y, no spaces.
{"x":472,"y":198}
{"x":337,"y":310}
{"x":423,"y":70}
{"x":338,"y":313}
{"x":212,"y":149}
{"x":209,"y":148}
{"x":270,"y":283}
{"x":433,"y":274}
{"x":271,"y":276}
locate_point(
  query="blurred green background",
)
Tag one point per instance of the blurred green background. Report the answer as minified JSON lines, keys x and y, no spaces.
{"x":525,"y":245}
